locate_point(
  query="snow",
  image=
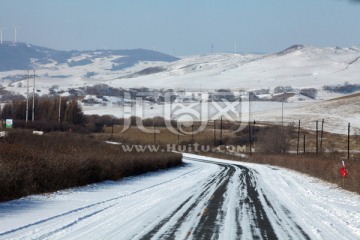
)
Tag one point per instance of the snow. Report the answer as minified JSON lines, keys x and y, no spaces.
{"x":305,"y":67}
{"x":337,"y":113}
{"x":300,"y":67}
{"x":296,"y":205}
{"x":323,"y":210}
{"x":113,"y":143}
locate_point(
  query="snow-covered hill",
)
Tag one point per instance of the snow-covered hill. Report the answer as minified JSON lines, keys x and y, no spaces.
{"x":298,"y":66}
{"x":292,"y":70}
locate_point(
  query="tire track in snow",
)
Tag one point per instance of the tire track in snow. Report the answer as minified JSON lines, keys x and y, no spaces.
{"x":187,"y":210}
{"x":213,"y":215}
{"x":226,"y":201}
{"x":256,"y":208}
{"x":110,"y":217}
{"x":253,"y":212}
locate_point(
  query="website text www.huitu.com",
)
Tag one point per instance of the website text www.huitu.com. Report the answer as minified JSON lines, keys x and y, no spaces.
{"x":194,"y":148}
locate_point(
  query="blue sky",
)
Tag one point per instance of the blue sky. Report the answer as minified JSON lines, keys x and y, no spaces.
{"x":182,"y":27}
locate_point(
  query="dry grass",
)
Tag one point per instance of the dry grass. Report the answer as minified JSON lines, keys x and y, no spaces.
{"x":325,"y":166}
{"x":332,"y":143}
{"x":206,"y":137}
{"x":354,"y":95}
{"x":35,"y":164}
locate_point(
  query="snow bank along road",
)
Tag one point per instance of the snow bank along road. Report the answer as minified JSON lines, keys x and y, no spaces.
{"x":205,"y":199}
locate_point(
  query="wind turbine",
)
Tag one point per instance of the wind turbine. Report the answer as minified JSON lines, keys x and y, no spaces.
{"x":1,"y":35}
{"x":15,"y":29}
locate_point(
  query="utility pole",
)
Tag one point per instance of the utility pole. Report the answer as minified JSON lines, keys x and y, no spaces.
{"x":321,"y":134}
{"x":192,"y":133}
{"x":250,"y":137}
{"x":59,"y":117}
{"x":282,"y":111}
{"x":33,"y":100}
{"x":27,"y":98}
{"x":348,"y":141}
{"x":317,"y":137}
{"x":298,"y":139}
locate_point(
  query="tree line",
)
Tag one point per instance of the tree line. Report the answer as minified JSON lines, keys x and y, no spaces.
{"x":46,"y":109}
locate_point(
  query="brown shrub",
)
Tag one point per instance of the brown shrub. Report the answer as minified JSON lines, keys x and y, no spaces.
{"x":35,"y":164}
{"x":275,"y":139}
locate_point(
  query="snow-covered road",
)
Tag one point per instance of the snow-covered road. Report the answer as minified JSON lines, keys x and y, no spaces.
{"x":205,"y":199}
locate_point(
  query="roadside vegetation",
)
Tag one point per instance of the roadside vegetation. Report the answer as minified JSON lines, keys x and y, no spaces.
{"x":271,"y":144}
{"x":72,"y":152}
{"x":31,"y":164}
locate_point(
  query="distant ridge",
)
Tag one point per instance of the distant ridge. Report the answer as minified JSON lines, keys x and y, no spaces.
{"x":23,"y":56}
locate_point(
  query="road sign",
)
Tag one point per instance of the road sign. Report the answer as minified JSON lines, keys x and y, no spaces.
{"x":343,"y":170}
{"x":9,"y":123}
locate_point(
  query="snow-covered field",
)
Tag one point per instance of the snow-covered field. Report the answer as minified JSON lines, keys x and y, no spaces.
{"x":336,"y":113}
{"x":298,"y":66}
{"x":206,"y":198}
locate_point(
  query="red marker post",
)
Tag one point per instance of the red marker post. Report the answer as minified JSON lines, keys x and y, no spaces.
{"x":343,"y":170}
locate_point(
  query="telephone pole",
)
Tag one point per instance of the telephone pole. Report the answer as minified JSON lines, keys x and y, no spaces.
{"x":33,"y":100}
{"x":250,"y":137}
{"x":59,"y":117}
{"x":282,"y":111}
{"x":27,"y":98}
{"x":192,"y":133}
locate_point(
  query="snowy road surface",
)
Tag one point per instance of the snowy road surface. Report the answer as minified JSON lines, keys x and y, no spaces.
{"x":205,"y":199}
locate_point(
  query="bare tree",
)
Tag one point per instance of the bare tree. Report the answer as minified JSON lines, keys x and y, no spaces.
{"x":275,"y":139}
